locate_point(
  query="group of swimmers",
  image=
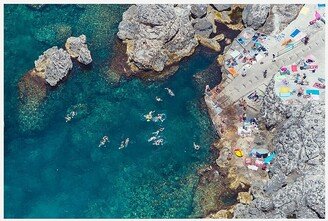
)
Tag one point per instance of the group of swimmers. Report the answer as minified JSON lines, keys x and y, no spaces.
{"x":170,"y":92}
{"x":159,"y":117}
{"x":156,"y":139}
{"x":105,"y":140}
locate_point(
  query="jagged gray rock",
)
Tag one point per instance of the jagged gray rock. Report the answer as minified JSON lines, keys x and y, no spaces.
{"x":203,"y":27}
{"x":297,"y":186}
{"x":255,"y":15}
{"x":77,"y":48}
{"x":199,"y":10}
{"x":221,"y":7}
{"x":157,"y":35}
{"x":53,"y":65}
{"x":273,"y":111}
{"x":279,"y":17}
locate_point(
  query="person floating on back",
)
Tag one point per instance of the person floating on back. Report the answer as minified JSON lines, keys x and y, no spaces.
{"x":169,"y":91}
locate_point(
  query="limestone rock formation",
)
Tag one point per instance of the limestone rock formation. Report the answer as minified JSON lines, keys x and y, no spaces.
{"x":199,"y":10}
{"x":157,"y":35}
{"x":77,"y":48}
{"x":222,"y":7}
{"x":273,"y":111}
{"x":279,"y":17}
{"x":297,"y":184}
{"x":255,"y":15}
{"x":203,"y":27}
{"x":53,"y":65}
{"x":244,"y":197}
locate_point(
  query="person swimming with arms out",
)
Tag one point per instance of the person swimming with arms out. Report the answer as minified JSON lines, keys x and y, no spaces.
{"x":149,"y":116}
{"x":158,"y":99}
{"x":158,"y":142}
{"x":159,"y":130}
{"x":70,"y":116}
{"x":160,"y":117}
{"x":103,"y":141}
{"x":169,"y":91}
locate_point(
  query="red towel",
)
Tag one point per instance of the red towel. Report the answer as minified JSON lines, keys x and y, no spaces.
{"x":294,"y":68}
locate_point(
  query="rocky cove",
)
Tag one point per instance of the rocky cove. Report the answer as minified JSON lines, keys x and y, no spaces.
{"x":156,"y":43}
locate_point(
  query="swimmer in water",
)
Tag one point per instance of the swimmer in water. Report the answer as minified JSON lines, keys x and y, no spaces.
{"x":196,"y":146}
{"x":158,"y":99}
{"x":170,"y":92}
{"x":158,"y":142}
{"x":149,"y":116}
{"x":70,"y":116}
{"x":103,"y":141}
{"x":157,"y":132}
{"x":152,"y":139}
{"x":160,"y":117}
{"x":126,"y":143}
{"x":122,"y":145}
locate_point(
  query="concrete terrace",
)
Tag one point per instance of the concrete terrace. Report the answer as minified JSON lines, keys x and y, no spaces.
{"x":238,"y":87}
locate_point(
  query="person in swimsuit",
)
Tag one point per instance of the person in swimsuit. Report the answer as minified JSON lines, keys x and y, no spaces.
{"x":170,"y":92}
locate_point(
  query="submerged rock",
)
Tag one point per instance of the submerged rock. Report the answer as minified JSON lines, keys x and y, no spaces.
{"x":255,"y":15}
{"x":157,"y":35}
{"x":53,"y":65}
{"x":77,"y":48}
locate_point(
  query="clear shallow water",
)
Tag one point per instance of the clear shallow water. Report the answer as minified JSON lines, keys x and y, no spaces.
{"x":56,"y":169}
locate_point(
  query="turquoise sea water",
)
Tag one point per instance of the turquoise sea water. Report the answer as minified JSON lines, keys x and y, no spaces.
{"x":56,"y":169}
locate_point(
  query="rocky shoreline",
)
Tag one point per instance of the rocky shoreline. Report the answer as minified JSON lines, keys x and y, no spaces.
{"x":156,"y":37}
{"x":51,"y":68}
{"x":152,"y":40}
{"x":290,"y":188}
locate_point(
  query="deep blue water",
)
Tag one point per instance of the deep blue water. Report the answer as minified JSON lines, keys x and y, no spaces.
{"x":56,"y":169}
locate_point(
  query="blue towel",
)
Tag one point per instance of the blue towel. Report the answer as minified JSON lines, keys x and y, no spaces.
{"x":295,"y":32}
{"x":314,"y":92}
